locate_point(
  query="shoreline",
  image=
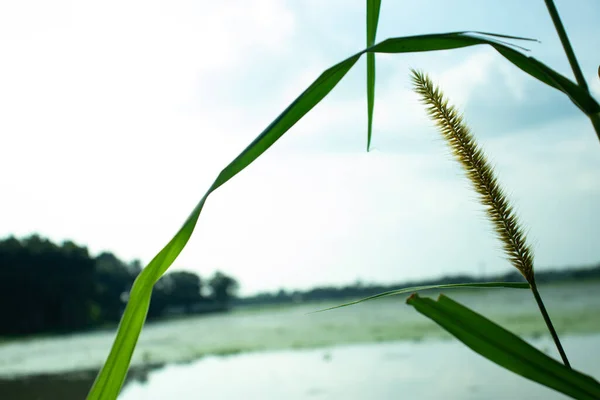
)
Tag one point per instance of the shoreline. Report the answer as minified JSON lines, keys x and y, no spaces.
{"x":139,"y":372}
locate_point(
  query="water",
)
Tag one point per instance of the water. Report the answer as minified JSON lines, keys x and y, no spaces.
{"x":340,"y":346}
{"x":425,"y":370}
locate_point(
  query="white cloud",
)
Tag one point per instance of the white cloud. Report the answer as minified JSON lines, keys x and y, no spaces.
{"x":97,"y":112}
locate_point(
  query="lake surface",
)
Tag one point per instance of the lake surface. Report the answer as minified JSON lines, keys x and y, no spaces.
{"x":377,"y":349}
{"x":430,"y":369}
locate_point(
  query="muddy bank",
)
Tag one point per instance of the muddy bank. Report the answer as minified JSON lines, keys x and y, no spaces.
{"x":65,"y":386}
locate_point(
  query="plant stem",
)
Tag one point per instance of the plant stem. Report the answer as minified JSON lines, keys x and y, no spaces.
{"x":564,"y":39}
{"x":540,"y":303}
{"x":596,"y":123}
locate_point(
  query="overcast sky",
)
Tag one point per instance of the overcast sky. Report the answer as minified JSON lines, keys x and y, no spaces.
{"x":116,"y":116}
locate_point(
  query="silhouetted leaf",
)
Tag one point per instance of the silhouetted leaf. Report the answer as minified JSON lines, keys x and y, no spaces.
{"x":373,"y":7}
{"x":505,"y":348}
{"x":513,"y":285}
{"x":110,"y":378}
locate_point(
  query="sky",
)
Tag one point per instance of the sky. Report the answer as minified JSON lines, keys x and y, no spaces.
{"x":116,"y":117}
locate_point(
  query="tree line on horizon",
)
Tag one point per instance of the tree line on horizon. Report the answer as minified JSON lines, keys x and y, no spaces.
{"x":51,"y":288}
{"x":361,"y":290}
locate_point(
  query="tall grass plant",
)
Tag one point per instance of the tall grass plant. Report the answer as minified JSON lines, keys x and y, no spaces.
{"x":474,"y":330}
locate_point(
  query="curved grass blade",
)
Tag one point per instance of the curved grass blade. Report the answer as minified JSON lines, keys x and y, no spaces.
{"x":496,"y":38}
{"x":514,"y":285}
{"x":373,"y":7}
{"x":580,"y":97}
{"x":499,"y":35}
{"x":455,"y":40}
{"x":110,"y":378}
{"x":505,"y":348}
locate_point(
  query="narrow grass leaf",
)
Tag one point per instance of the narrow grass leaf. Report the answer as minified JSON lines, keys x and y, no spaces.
{"x":373,"y":7}
{"x":498,"y":35}
{"x":112,"y":375}
{"x":455,"y":40}
{"x":513,"y":285}
{"x":579,"y":96}
{"x":505,"y":348}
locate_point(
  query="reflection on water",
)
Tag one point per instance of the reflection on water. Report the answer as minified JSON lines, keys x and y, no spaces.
{"x":30,"y":368}
{"x":360,"y":371}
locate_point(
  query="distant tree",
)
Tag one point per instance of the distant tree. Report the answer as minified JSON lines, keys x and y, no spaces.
{"x":160,"y":297}
{"x":44,"y":287}
{"x":113,"y":280}
{"x":223,"y":288}
{"x":75,"y":280}
{"x":186,"y":288}
{"x":135,"y":267}
{"x":179,"y":289}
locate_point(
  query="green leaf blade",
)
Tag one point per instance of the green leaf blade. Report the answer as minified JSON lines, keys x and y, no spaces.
{"x":505,"y":348}
{"x":373,"y":7}
{"x":455,"y":40}
{"x":579,"y":96}
{"x":110,"y":379}
{"x":370,"y":96}
{"x":292,"y":114}
{"x":482,"y":285}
